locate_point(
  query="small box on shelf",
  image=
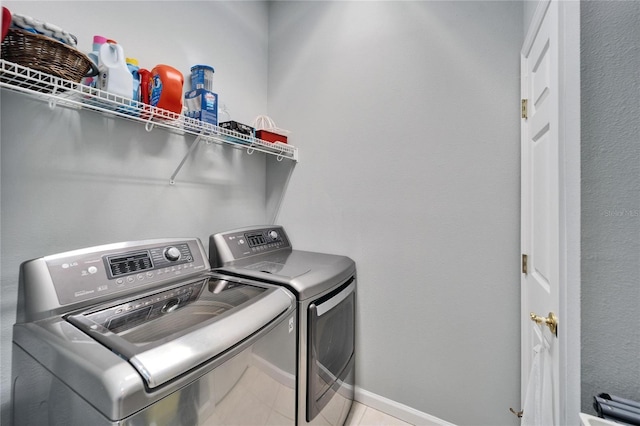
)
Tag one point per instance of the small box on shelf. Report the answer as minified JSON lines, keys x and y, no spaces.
{"x":268,"y":136}
{"x":245,"y":134}
{"x":238,"y":128}
{"x":202,"y":105}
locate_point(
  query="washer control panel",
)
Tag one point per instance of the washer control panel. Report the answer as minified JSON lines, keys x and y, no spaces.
{"x":123,"y":268}
{"x":122,"y":264}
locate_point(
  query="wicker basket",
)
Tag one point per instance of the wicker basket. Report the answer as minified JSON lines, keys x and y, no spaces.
{"x":47,"y":55}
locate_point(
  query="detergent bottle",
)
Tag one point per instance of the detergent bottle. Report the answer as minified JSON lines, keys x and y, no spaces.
{"x":134,"y":69}
{"x":94,"y":55}
{"x":145,"y":78}
{"x":114,"y":75}
{"x":165,"y":88}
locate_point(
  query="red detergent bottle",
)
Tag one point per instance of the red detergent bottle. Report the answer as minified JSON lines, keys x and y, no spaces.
{"x":145,"y":77}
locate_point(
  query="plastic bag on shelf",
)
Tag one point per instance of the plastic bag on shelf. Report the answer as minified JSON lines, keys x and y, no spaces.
{"x":267,"y":130}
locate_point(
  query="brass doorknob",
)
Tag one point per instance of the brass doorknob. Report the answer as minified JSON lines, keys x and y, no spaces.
{"x":551,"y":321}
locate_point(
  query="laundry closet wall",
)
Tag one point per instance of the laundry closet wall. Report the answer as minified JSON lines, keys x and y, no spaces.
{"x":73,"y":179}
{"x":406,"y":115}
{"x":610,"y":80}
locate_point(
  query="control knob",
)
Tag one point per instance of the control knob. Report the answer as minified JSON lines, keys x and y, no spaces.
{"x":273,"y":234}
{"x":171,"y":306}
{"x":172,"y":253}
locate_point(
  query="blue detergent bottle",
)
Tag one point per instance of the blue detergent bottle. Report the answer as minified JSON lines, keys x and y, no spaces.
{"x":134,"y":68}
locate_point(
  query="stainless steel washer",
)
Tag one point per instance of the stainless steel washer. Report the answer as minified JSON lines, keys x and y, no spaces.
{"x":325,"y":287}
{"x":143,"y":333}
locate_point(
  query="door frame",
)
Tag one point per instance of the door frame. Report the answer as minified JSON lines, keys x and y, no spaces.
{"x":569,"y":181}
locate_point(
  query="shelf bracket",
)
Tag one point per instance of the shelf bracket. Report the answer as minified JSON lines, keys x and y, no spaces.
{"x":149,"y":124}
{"x":172,"y":179}
{"x":53,"y":100}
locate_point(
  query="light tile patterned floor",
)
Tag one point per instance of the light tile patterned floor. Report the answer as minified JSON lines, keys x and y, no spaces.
{"x":361,"y":415}
{"x":255,"y":397}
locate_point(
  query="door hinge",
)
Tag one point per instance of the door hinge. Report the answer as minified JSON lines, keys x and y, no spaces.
{"x":524,"y":108}
{"x":525,"y":265}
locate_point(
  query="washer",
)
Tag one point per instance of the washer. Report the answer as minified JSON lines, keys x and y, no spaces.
{"x":325,"y":289}
{"x":143,"y":333}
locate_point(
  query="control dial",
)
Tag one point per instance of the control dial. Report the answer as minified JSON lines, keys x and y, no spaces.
{"x":273,"y":234}
{"x":172,"y":254}
{"x":171,"y":306}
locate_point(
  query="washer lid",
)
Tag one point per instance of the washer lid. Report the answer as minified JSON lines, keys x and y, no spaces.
{"x":167,"y":334}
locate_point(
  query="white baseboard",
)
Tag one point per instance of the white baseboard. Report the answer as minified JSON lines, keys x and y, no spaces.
{"x":283,"y":377}
{"x":397,"y":410}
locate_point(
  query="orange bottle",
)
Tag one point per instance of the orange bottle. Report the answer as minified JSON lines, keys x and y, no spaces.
{"x":165,"y":88}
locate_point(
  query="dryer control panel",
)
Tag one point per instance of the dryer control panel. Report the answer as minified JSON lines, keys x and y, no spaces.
{"x":241,"y":243}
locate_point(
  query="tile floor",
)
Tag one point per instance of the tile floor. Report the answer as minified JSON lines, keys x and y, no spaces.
{"x":256,"y":396}
{"x":361,"y":415}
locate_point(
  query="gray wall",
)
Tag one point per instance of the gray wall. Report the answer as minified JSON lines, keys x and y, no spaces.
{"x":530,"y":7}
{"x":74,"y":179}
{"x":610,"y":62}
{"x":406,"y":114}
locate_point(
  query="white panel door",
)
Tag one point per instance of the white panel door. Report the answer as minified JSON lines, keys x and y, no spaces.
{"x":540,"y":203}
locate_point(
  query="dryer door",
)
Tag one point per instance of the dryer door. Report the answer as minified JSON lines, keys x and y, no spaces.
{"x":331,"y":347}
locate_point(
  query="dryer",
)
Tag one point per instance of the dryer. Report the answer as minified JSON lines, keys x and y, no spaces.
{"x":325,"y":288}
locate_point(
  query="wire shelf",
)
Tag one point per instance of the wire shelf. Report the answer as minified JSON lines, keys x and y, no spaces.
{"x":57,"y":91}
